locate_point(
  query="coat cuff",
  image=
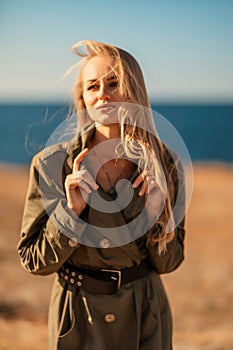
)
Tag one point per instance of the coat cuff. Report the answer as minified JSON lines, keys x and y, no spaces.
{"x":69,"y":224}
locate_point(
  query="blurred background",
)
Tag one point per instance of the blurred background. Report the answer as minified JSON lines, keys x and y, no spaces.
{"x":185,"y":50}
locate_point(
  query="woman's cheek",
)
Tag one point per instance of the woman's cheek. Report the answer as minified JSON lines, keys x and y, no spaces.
{"x":88,"y":100}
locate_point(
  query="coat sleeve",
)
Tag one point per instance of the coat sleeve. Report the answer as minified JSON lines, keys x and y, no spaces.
{"x":48,"y":226}
{"x":174,"y":254}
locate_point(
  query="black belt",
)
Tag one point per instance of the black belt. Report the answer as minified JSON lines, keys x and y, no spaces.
{"x":101,"y":281}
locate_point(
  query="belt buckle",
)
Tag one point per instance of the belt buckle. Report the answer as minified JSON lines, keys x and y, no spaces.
{"x":118,"y":277}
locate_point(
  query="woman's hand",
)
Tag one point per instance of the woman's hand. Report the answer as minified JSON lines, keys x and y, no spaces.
{"x":146,"y":178}
{"x":150,"y":188}
{"x":155,"y":197}
{"x":79,"y":185}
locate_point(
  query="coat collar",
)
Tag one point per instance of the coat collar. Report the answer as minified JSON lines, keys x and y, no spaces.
{"x":77,"y":145}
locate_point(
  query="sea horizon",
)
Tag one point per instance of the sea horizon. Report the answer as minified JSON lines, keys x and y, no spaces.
{"x":206,"y":128}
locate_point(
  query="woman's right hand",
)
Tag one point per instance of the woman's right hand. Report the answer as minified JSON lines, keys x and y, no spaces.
{"x":79,"y":185}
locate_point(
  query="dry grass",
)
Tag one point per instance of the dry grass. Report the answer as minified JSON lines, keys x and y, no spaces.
{"x":200,"y":291}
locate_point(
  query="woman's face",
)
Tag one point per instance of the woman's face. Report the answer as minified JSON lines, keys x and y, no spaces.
{"x":100,"y":90}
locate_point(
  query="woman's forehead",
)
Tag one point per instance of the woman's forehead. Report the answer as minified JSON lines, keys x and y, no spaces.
{"x":98,"y":67}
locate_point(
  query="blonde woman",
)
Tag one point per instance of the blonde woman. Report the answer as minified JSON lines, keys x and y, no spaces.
{"x":100,"y":214}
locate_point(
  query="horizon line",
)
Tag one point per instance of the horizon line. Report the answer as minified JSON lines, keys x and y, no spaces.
{"x":153,"y":101}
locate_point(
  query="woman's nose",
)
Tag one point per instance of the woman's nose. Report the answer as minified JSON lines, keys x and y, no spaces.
{"x":104,"y":93}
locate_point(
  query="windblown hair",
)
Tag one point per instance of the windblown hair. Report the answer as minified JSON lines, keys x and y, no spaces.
{"x":139,"y":138}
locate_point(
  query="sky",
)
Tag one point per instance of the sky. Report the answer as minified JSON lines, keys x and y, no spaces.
{"x":184,"y":47}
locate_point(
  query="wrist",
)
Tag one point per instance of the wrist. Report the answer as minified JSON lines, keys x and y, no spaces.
{"x":77,"y":208}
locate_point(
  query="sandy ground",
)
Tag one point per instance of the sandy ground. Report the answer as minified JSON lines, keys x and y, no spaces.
{"x":200,"y":291}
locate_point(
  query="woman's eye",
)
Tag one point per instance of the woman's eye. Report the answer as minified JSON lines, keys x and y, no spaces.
{"x":114,"y":84}
{"x":92,"y":87}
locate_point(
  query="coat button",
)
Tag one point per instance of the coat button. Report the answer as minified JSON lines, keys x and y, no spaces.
{"x":109,"y":318}
{"x":104,"y":243}
{"x":73,"y":243}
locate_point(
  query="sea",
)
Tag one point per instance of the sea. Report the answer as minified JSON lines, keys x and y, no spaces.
{"x":206,"y":130}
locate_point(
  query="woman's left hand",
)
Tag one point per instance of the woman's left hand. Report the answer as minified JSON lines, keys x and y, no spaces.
{"x":150,"y":188}
{"x":147,"y":179}
{"x":155,"y":197}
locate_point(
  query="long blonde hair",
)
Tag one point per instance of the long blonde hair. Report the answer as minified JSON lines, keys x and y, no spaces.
{"x":140,"y":142}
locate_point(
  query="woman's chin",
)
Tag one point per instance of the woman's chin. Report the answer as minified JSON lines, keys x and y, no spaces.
{"x":105,"y":118}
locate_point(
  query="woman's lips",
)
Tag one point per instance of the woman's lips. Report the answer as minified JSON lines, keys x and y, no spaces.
{"x":105,"y":107}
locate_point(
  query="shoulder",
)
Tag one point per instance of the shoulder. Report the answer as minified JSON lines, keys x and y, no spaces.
{"x":57,"y":151}
{"x":65,"y":152}
{"x":49,"y":165}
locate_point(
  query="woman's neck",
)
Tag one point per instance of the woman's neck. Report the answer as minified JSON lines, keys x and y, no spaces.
{"x":106,"y":132}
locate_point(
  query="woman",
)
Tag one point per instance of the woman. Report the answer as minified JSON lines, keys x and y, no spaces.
{"x":107,"y":292}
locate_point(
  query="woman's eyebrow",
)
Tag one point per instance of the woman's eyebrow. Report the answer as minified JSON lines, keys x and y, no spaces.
{"x":90,"y":81}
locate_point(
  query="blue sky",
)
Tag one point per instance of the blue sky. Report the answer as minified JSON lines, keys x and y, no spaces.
{"x":184,"y":47}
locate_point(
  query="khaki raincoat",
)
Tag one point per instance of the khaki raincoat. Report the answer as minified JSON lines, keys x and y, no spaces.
{"x":137,"y":316}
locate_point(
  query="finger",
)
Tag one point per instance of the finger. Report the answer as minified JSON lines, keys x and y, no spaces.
{"x":144,"y":188}
{"x":74,"y":195}
{"x":142,"y":177}
{"x":72,"y":181}
{"x":84,"y":187}
{"x":88,"y":178}
{"x":81,"y":178}
{"x":78,"y":160}
{"x":139,"y":180}
{"x":148,"y":185}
